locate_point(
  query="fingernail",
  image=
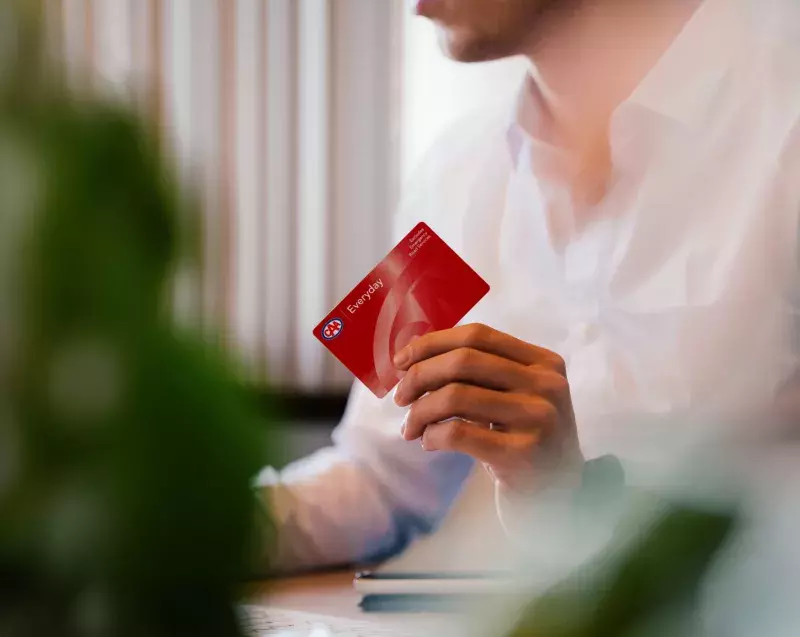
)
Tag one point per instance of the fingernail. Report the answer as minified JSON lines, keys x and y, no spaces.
{"x":422,"y":443}
{"x":403,"y":426}
{"x":396,"y":390}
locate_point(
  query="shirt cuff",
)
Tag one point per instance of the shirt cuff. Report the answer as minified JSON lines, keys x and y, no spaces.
{"x":564,"y":505}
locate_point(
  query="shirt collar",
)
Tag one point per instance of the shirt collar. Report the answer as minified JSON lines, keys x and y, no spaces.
{"x":524,"y":120}
{"x":682,"y":84}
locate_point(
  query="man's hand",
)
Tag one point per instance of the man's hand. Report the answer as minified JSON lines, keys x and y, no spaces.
{"x":494,"y":397}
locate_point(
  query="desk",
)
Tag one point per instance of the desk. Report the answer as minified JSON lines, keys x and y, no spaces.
{"x":325,"y":594}
{"x":332,"y":594}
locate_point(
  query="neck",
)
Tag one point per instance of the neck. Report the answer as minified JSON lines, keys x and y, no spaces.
{"x":591,"y":56}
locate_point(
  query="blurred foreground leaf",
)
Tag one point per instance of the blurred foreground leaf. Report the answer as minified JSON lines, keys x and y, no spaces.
{"x":126,"y":445}
{"x":649,"y":588}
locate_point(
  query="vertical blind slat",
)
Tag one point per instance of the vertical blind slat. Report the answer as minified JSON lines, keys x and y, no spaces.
{"x":227,"y":177}
{"x":89,"y":36}
{"x":312,"y":187}
{"x":74,"y":38}
{"x":180,"y":127}
{"x":206,"y":97}
{"x":155,"y":60}
{"x":278,"y":240}
{"x":114,"y":43}
{"x":246,"y":267}
{"x":142,"y":54}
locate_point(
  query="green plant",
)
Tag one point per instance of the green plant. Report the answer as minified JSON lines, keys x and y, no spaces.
{"x":126,"y":445}
{"x":644,"y":587}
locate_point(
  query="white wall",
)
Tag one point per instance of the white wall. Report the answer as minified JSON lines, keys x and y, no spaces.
{"x":438,"y":91}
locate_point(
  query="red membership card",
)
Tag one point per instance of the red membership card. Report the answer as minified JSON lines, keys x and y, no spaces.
{"x":421,"y":286}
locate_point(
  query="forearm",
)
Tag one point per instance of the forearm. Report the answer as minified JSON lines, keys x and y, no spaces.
{"x":324,"y":511}
{"x":334,"y":509}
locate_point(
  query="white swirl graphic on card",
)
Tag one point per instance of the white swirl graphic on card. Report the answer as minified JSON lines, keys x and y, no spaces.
{"x":404,"y":315}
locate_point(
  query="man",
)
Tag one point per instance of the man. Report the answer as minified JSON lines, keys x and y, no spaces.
{"x":636,"y":217}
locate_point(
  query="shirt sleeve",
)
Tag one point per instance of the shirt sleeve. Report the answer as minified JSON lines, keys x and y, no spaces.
{"x":361,"y":499}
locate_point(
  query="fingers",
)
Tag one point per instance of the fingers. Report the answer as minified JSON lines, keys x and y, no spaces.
{"x":473,"y":367}
{"x":478,"y":337}
{"x":463,"y":365}
{"x":458,"y":381}
{"x":480,"y":405}
{"x":491,"y":447}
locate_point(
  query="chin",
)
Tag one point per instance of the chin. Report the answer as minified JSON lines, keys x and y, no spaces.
{"x":470,"y":47}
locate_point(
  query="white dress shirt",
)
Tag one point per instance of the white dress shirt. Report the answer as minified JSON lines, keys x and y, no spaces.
{"x":672,"y":304}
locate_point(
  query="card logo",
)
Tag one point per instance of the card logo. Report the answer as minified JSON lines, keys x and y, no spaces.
{"x":332,"y":329}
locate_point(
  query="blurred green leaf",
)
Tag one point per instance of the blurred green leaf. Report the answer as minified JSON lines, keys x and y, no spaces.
{"x":130,"y":445}
{"x":646,"y":588}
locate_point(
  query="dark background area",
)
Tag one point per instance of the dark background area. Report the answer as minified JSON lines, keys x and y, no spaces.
{"x":304,"y":421}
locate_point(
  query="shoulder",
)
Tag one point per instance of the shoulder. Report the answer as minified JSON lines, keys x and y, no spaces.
{"x":779,"y":39}
{"x":777,"y":20}
{"x":767,"y":71}
{"x":440,"y":186}
{"x":772,"y":44}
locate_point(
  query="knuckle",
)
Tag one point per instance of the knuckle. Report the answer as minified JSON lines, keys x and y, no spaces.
{"x":559,"y":364}
{"x":542,"y":411}
{"x":524,"y":448}
{"x":455,"y":432}
{"x":411,"y":379}
{"x":549,"y":384}
{"x":453,"y":397}
{"x":478,"y":333}
{"x":462,"y":359}
{"x":527,"y":444}
{"x":558,"y":385}
{"x":531,"y":410}
{"x":549,"y":413}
